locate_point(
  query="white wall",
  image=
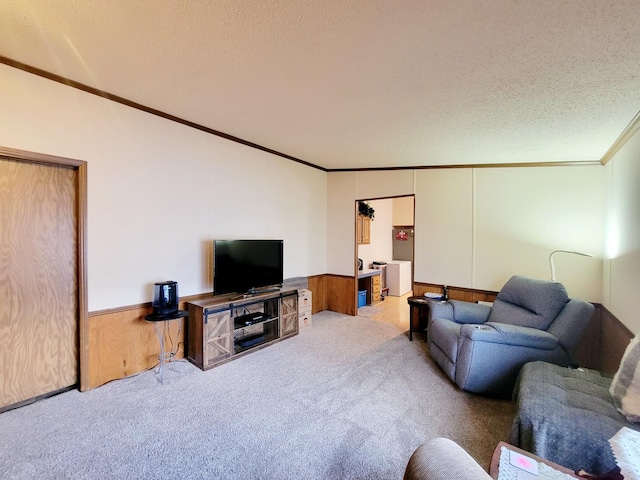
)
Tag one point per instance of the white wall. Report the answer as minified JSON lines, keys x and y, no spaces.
{"x":523,"y":214}
{"x":341,"y":226}
{"x":343,"y":189}
{"x":476,"y":227}
{"x":490,"y":223}
{"x":159,"y":192}
{"x":384,"y":184}
{"x":403,"y":211}
{"x":444,"y":227}
{"x":621,"y":284}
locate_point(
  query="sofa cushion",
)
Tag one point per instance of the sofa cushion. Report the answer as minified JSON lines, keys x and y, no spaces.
{"x":625,"y":388}
{"x":506,"y":334}
{"x":528,"y":302}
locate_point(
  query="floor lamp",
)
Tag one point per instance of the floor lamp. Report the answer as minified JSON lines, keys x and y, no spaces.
{"x":553,"y":269}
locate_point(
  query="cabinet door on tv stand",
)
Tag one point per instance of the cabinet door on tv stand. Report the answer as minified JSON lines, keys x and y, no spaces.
{"x":218,"y":341}
{"x":289,"y":315}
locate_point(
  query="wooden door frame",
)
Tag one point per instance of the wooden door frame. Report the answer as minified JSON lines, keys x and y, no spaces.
{"x":355,"y":247}
{"x":80,"y":167}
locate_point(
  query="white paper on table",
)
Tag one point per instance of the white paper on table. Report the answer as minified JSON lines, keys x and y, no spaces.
{"x":508,"y":471}
{"x":626,"y":448}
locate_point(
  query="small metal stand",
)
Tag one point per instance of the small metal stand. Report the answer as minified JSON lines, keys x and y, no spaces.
{"x":161,"y":327}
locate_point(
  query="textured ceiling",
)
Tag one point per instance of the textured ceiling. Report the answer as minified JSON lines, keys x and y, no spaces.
{"x":360,"y":83}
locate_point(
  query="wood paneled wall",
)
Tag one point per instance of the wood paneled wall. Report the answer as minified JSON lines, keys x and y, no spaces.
{"x":333,"y":292}
{"x":122,"y":343}
{"x":603,"y":343}
{"x":614,"y":338}
{"x":341,"y":294}
{"x":318,"y":287}
{"x":456,"y":293}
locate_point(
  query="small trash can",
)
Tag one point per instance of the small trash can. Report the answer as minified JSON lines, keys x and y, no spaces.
{"x":362,"y":298}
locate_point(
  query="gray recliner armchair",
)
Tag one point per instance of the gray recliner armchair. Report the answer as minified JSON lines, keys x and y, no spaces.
{"x":482,"y":348}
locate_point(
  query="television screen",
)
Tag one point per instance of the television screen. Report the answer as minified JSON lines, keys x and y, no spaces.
{"x":242,"y":266}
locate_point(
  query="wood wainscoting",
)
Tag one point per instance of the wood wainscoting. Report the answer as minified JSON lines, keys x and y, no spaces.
{"x":456,"y":293}
{"x":611,"y":340}
{"x":318,"y":287}
{"x":341,"y":294}
{"x":123,"y":343}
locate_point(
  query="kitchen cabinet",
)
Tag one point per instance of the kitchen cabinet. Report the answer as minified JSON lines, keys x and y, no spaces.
{"x":364,"y":230}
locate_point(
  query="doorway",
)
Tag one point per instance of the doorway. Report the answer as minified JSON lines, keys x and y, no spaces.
{"x":385,"y":243}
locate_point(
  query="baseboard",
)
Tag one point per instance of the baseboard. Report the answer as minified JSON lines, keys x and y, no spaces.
{"x":29,"y":401}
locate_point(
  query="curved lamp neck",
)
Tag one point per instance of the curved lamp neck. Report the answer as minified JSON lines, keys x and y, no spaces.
{"x":553,"y":269}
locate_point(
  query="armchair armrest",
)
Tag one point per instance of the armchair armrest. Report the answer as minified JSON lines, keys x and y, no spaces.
{"x":439,"y":309}
{"x":506,"y":334}
{"x":469,"y":312}
{"x":443,"y":459}
{"x":459,"y":311}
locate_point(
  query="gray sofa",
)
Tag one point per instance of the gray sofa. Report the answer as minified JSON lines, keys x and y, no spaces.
{"x":567,"y":416}
{"x":482,"y":348}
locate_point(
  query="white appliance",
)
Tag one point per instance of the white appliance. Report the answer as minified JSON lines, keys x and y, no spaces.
{"x":398,"y":277}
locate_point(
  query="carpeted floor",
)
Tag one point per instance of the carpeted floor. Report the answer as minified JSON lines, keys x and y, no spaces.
{"x":348,"y":398}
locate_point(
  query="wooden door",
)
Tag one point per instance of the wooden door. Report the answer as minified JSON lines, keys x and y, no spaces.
{"x":39,"y":310}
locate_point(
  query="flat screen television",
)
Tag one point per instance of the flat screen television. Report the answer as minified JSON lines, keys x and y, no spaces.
{"x":247,"y":266}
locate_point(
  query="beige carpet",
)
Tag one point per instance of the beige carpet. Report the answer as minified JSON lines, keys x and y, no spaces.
{"x":348,"y":398}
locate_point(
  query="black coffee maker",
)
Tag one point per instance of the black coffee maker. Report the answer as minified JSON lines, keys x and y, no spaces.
{"x":165,"y":298}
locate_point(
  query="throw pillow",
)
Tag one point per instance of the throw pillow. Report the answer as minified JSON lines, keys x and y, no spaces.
{"x":625,"y":387}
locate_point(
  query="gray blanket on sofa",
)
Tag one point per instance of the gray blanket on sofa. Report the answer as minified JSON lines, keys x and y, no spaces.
{"x":566,"y":416}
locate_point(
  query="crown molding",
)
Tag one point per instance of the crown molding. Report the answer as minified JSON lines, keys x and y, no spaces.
{"x":626,"y":134}
{"x":123,"y":101}
{"x":580,"y":163}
